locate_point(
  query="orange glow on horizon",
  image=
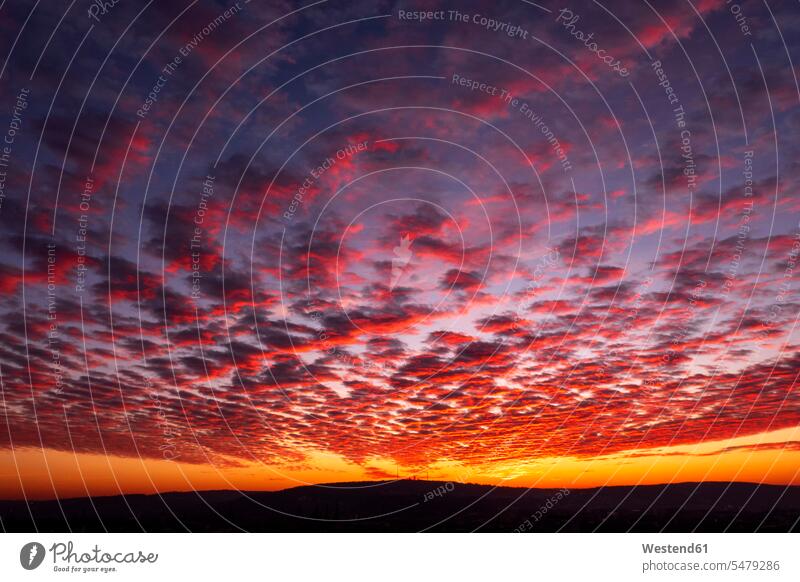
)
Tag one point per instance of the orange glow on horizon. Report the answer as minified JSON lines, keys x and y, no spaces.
{"x":765,"y":458}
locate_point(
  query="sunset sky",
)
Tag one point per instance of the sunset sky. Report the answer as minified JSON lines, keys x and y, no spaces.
{"x":261,"y":244}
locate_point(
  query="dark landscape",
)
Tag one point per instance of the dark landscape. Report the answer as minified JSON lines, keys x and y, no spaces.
{"x":411,"y":506}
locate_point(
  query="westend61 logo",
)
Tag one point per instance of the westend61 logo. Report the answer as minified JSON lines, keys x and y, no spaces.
{"x":66,"y":559}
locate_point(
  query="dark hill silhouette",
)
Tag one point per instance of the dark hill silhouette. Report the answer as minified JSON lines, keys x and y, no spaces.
{"x":401,"y":506}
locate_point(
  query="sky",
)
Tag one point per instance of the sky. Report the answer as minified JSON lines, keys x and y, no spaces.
{"x":263,"y":244}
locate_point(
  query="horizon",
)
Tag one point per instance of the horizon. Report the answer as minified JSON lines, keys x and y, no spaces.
{"x":704,"y":451}
{"x":371,"y":484}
